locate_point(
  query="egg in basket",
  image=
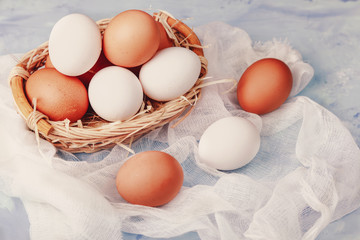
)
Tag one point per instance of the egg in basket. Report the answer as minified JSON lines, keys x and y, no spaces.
{"x":97,"y":84}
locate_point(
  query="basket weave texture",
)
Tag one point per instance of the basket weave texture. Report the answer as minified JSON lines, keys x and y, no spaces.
{"x":92,"y":133}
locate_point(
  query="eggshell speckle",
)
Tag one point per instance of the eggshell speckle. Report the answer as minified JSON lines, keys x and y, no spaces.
{"x":58,"y":96}
{"x":170,"y":73}
{"x":229,"y":143}
{"x":150,"y":178}
{"x":264,"y":86}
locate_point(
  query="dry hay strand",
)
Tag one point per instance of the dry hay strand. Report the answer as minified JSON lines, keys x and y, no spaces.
{"x":92,"y":133}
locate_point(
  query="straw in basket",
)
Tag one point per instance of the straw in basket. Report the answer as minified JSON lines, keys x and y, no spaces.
{"x":92,"y":133}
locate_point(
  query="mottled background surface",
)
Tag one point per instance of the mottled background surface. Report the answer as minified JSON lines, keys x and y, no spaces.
{"x":325,"y":32}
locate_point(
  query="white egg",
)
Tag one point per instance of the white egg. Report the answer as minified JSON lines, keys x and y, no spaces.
{"x":115,"y":93}
{"x":74,"y":44}
{"x":170,"y":73}
{"x":229,"y":143}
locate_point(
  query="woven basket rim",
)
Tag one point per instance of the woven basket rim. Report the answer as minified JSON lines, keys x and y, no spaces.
{"x":92,"y":133}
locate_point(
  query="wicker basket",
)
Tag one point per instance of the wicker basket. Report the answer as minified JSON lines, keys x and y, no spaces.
{"x":92,"y":133}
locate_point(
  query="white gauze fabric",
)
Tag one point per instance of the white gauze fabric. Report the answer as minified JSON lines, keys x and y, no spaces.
{"x":305,"y":175}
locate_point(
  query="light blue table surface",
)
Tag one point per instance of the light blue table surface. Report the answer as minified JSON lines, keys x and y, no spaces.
{"x":325,"y":32}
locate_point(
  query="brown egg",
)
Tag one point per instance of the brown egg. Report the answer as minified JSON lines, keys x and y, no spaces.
{"x":58,"y":96}
{"x":150,"y":178}
{"x":131,"y":38}
{"x":101,"y":63}
{"x":165,"y":41}
{"x":264,"y":86}
{"x":85,"y":78}
{"x":48,"y":63}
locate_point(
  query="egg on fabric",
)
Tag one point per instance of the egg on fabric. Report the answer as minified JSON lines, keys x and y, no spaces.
{"x":150,"y":178}
{"x":264,"y":86}
{"x":229,"y":143}
{"x":57,"y":96}
{"x":115,"y":93}
{"x":170,"y":73}
{"x":131,"y":38}
{"x":74,"y":44}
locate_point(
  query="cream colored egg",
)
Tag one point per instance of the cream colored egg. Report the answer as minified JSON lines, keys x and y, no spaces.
{"x":170,"y":73}
{"x":115,"y":93}
{"x":74,"y":44}
{"x":229,"y":143}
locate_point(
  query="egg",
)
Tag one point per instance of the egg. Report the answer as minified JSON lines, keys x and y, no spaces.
{"x":58,"y":96}
{"x":150,"y":178}
{"x":136,"y":70}
{"x":131,"y":38}
{"x":85,"y":78}
{"x":170,"y":73}
{"x":48,"y":63}
{"x":115,"y":93}
{"x":74,"y":44}
{"x":101,"y":63}
{"x":165,"y":41}
{"x":264,"y":86}
{"x":229,"y":143}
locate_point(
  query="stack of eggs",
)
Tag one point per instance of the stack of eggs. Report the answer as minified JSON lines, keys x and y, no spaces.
{"x":111,"y":71}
